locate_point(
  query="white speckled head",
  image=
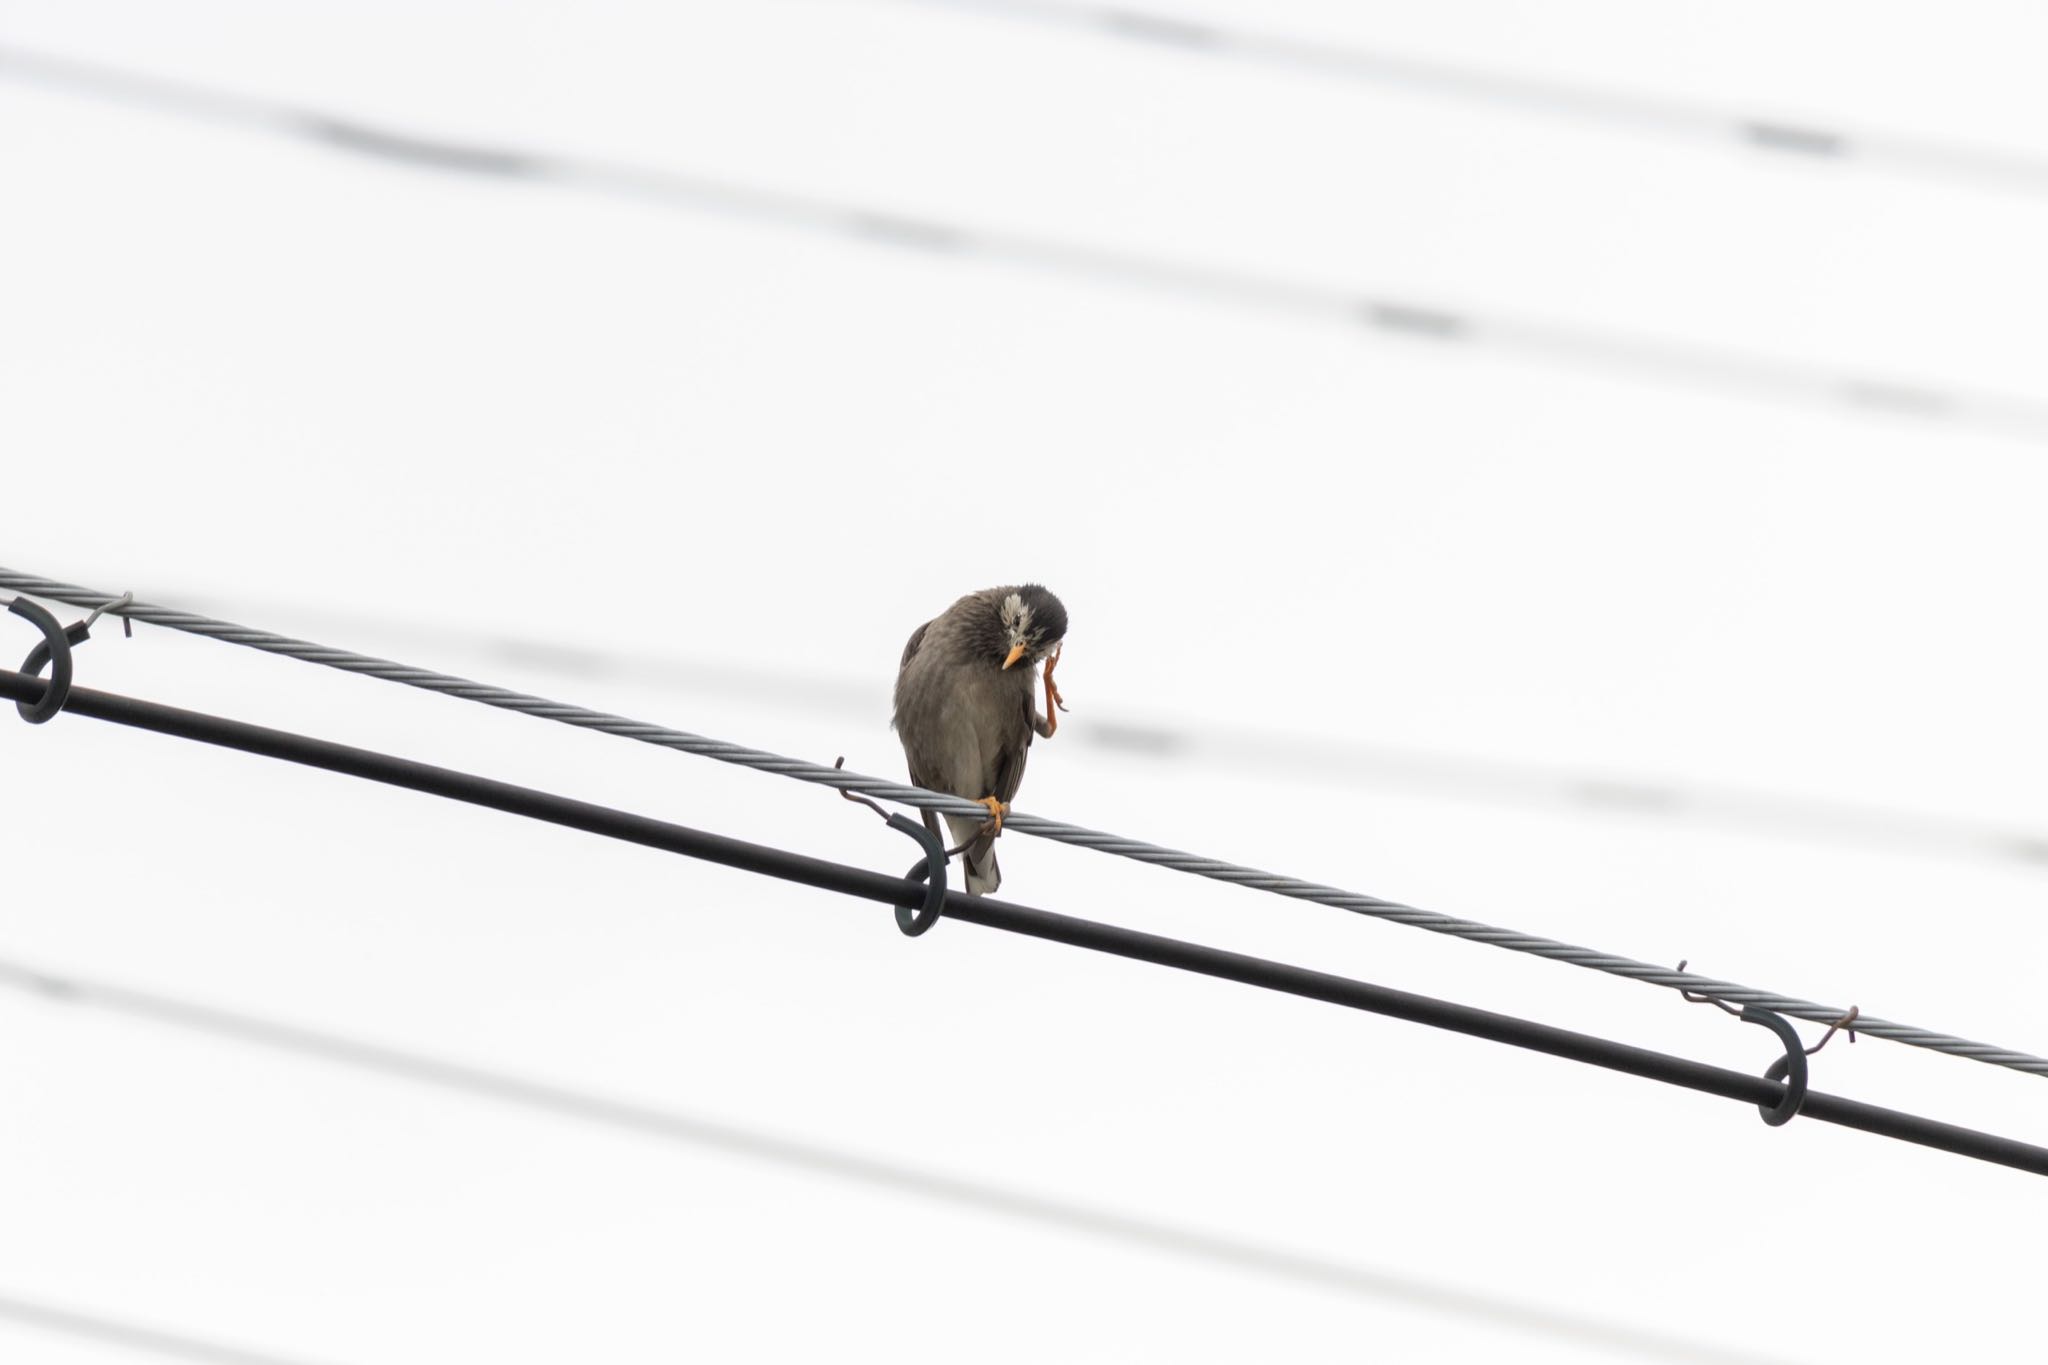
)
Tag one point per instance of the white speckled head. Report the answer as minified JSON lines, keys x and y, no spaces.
{"x":1033,"y":622}
{"x":1016,"y":617}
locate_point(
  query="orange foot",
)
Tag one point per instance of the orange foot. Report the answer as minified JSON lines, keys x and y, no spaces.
{"x":1053,"y":703}
{"x":995,"y":811}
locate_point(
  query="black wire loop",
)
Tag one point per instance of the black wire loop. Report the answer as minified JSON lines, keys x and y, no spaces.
{"x":930,"y":869}
{"x":1793,"y":1061}
{"x":54,"y":650}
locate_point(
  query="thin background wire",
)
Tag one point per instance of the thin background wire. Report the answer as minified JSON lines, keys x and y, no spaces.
{"x":132,"y":1336}
{"x":1642,"y":357}
{"x":900,"y":1177}
{"x":1518,"y":94}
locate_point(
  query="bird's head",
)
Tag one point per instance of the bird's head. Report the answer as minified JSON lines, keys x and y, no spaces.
{"x":1032,"y":624}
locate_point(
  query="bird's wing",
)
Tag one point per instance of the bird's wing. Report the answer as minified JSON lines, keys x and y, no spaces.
{"x":916,"y":639}
{"x":1012,"y":747}
{"x":909,"y":718}
{"x":921,"y":693}
{"x":1003,"y":750}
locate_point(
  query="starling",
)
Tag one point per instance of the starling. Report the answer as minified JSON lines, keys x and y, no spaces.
{"x":965,"y":709}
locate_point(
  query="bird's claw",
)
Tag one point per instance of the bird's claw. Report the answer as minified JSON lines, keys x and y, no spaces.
{"x":995,"y":811}
{"x":1053,"y":702}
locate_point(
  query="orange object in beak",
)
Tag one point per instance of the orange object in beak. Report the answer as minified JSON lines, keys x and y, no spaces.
{"x":1016,"y":653}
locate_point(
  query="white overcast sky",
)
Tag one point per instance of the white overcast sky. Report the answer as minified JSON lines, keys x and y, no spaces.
{"x":1395,"y":604}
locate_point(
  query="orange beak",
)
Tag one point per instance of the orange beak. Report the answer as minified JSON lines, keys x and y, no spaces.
{"x":1016,"y":653}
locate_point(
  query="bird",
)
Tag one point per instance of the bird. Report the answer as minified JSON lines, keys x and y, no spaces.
{"x":965,"y":710}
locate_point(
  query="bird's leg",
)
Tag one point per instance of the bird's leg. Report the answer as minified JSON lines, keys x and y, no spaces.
{"x":995,"y":811}
{"x":1053,"y":704}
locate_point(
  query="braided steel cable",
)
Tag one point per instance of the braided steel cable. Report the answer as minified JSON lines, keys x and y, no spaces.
{"x":1137,"y":850}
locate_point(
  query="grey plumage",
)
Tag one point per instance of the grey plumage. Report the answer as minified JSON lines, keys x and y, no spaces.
{"x":966,"y":714}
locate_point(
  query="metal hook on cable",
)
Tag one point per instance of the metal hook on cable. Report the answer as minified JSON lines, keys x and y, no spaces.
{"x":126,"y":599}
{"x":1845,"y":1024}
{"x":930,"y":869}
{"x":1691,"y":999}
{"x":54,"y":650}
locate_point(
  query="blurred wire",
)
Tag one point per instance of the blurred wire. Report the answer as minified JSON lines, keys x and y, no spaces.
{"x":1527,"y":94}
{"x":1214,"y":868}
{"x":1009,"y":917}
{"x":116,"y":1332}
{"x":1217,"y":745}
{"x":718,"y":1135}
{"x":1749,"y":373}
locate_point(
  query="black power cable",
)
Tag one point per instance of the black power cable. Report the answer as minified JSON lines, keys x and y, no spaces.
{"x":1021,"y":822}
{"x":1019,"y":919}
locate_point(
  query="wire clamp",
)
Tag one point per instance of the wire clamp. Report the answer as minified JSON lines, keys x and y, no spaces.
{"x":1794,"y":1061}
{"x":1796,"y":1052}
{"x":930,"y":869}
{"x":53,"y":650}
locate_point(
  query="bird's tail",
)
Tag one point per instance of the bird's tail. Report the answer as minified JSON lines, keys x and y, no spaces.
{"x":979,"y":857}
